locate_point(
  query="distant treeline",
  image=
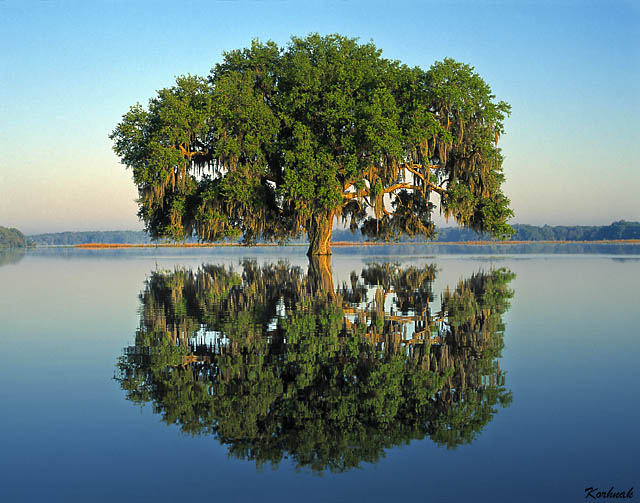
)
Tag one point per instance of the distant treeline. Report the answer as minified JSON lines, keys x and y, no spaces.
{"x":12,"y":238}
{"x":75,"y":238}
{"x":616,"y":230}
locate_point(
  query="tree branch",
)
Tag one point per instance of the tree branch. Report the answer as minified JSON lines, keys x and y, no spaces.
{"x":191,"y":154}
{"x":415,"y":171}
{"x":398,"y":186}
{"x":360,"y":193}
{"x":432,"y":186}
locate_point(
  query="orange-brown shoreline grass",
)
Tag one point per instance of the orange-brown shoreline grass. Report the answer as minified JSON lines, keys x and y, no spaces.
{"x":352,"y":244}
{"x":161,"y":245}
{"x":485,"y":243}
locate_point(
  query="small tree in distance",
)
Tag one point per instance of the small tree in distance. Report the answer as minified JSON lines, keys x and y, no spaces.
{"x":281,"y":141}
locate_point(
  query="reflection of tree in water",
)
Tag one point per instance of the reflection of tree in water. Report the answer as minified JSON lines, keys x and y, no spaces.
{"x":11,"y":255}
{"x":276,"y":363}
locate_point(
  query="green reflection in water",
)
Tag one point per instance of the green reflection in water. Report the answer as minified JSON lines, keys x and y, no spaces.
{"x":11,"y":255}
{"x":277,"y":363}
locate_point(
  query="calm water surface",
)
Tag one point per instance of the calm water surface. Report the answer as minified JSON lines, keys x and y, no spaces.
{"x":247,"y":375}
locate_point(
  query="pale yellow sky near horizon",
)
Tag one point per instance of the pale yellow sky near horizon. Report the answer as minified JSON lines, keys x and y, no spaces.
{"x":99,"y":194}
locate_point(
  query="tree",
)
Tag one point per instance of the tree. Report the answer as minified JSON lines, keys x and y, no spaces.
{"x":12,"y":238}
{"x":280,"y":141}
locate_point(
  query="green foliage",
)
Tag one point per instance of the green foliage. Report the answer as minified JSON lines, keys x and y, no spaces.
{"x":616,"y":230}
{"x":12,"y":238}
{"x":74,"y":238}
{"x":280,"y":141}
{"x":275,"y":367}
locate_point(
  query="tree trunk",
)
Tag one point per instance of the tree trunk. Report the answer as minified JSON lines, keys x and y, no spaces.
{"x":320,"y":276}
{"x":319,"y":233}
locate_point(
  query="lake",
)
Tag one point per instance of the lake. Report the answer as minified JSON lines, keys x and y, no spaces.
{"x":387,"y":373}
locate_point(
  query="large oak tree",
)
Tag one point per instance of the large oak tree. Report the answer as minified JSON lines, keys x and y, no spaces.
{"x":281,"y":141}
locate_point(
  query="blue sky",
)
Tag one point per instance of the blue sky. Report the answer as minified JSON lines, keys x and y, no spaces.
{"x":70,"y":70}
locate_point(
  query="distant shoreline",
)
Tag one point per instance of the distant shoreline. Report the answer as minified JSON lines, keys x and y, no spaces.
{"x":617,"y":232}
{"x":338,"y":244}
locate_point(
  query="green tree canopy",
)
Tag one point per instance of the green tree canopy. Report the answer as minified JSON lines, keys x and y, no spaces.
{"x":12,"y":238}
{"x":281,"y":141}
{"x":274,"y":366}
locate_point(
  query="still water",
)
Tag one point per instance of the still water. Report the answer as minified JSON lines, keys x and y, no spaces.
{"x":255,"y":374}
